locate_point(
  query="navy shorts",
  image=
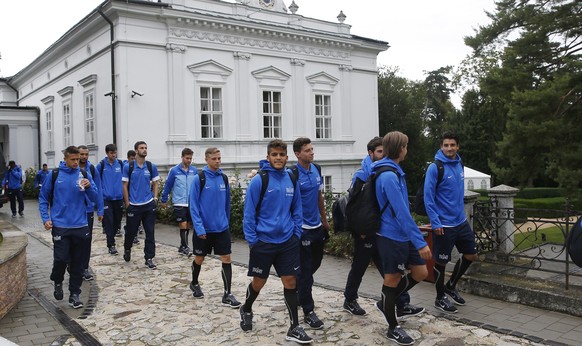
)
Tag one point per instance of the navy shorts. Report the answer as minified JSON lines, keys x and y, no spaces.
{"x":284,"y":257}
{"x":219,"y":241}
{"x":461,"y":237}
{"x":395,"y":256}
{"x":182,"y":214}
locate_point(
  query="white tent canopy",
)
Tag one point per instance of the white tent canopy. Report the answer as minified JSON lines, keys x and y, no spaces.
{"x":475,"y":180}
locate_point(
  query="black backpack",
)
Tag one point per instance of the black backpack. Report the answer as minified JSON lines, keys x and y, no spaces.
{"x":295,"y":170}
{"x":338,"y":214}
{"x":202,"y":177}
{"x":102,"y":166}
{"x":362,"y":210}
{"x":54,"y":179}
{"x":130,"y":170}
{"x":574,"y":243}
{"x":418,"y":207}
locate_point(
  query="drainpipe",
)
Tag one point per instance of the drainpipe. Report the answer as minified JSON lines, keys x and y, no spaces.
{"x":113,"y":93}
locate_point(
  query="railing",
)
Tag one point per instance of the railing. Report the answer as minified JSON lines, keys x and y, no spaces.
{"x":533,"y":243}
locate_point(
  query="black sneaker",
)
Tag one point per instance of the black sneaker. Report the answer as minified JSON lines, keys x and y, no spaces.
{"x":408,"y":310}
{"x":113,"y":250}
{"x":187,"y":252}
{"x":127,"y":255}
{"x":14,"y":215}
{"x":445,"y":305}
{"x":87,"y":276}
{"x":135,"y":241}
{"x":196,"y":291}
{"x":297,"y":334}
{"x":140,"y":229}
{"x":312,"y":320}
{"x":75,"y":302}
{"x":229,"y":300}
{"x":399,"y":336}
{"x":246,"y":320}
{"x":21,"y":214}
{"x":118,"y":233}
{"x":150,"y":264}
{"x":58,"y":293}
{"x":354,"y":308}
{"x":455,"y":296}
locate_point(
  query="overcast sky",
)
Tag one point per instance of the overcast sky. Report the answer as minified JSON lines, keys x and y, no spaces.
{"x":423,"y":34}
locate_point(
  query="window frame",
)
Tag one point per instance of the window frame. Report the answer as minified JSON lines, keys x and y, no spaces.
{"x":90,"y":134}
{"x":322,"y":113}
{"x":272,"y":121}
{"x":212,"y":113}
{"x":67,"y":122}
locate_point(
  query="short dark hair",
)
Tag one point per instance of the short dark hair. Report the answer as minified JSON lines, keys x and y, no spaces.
{"x":276,"y":143}
{"x":374,"y":143}
{"x":11,"y":163}
{"x":82,"y":146}
{"x":44,"y":165}
{"x":393,"y":143}
{"x":110,"y":147}
{"x":71,"y":150}
{"x":131,"y":153}
{"x":450,"y":135}
{"x":299,"y":143}
{"x":187,"y":151}
{"x":138,"y":143}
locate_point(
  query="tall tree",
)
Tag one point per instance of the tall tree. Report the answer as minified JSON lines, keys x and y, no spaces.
{"x":438,"y":109}
{"x":538,"y":79}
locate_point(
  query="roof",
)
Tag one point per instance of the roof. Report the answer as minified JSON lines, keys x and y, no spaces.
{"x":470,"y":173}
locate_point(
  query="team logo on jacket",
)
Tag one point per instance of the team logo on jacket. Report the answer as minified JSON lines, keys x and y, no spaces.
{"x":289,"y":191}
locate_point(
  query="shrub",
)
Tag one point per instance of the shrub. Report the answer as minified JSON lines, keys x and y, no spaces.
{"x":236,"y":206}
{"x":28,"y":189}
{"x":164,"y":215}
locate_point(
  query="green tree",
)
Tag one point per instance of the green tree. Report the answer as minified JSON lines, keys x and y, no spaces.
{"x":537,"y":80}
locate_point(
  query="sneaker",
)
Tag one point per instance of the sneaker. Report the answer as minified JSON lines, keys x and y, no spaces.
{"x":136,"y":241}
{"x":445,"y":305}
{"x":58,"y":293}
{"x":187,"y":252}
{"x":113,"y":250}
{"x":75,"y":302}
{"x":399,"y":336}
{"x":354,"y":308}
{"x":140,"y":229}
{"x":408,"y":310}
{"x":455,"y":296}
{"x":297,"y":334}
{"x":246,"y":320}
{"x":127,"y":255}
{"x":14,"y":215}
{"x":150,"y":264}
{"x":313,"y":321}
{"x":229,"y":300}
{"x":21,"y":214}
{"x":87,"y":276}
{"x":118,"y":234}
{"x":197,"y":291}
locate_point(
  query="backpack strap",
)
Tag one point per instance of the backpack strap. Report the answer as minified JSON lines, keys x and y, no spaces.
{"x":101,"y":167}
{"x":441,"y":172}
{"x":376,"y":175}
{"x":129,"y":171}
{"x":54,"y":179}
{"x":92,"y":170}
{"x":264,"y":183}
{"x":225,"y":178}
{"x":318,"y":168}
{"x":149,"y":165}
{"x":202,"y":177}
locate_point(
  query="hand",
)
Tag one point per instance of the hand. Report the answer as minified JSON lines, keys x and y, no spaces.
{"x":48,"y":225}
{"x":325,"y":224}
{"x":325,"y":235}
{"x":100,"y":218}
{"x":85,"y":183}
{"x":425,"y":253}
{"x":439,"y":231}
{"x":202,"y":236}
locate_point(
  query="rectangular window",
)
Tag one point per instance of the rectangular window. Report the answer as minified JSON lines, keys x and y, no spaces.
{"x":49,"y":130}
{"x":327,"y":186}
{"x":90,"y":118}
{"x":211,"y":112}
{"x":67,"y":124}
{"x":322,"y":116}
{"x":272,"y":114}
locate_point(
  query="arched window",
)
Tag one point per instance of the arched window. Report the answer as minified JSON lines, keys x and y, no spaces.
{"x":484,"y":184}
{"x":470,"y":185}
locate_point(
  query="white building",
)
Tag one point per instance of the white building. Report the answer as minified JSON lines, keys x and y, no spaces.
{"x":200,"y":73}
{"x":475,"y":180}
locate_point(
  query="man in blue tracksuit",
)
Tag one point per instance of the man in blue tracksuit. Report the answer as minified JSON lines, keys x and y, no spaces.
{"x":40,"y":176}
{"x":179,"y":182}
{"x":400,"y":243}
{"x":13,"y":184}
{"x":85,"y":164}
{"x":272,"y":228}
{"x":314,"y":229}
{"x":110,"y":171}
{"x":62,"y":209}
{"x":445,"y":207}
{"x":139,"y":179}
{"x":365,"y":248}
{"x":210,"y":209}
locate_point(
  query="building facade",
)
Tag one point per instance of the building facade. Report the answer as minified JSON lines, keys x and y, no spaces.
{"x":200,"y":73}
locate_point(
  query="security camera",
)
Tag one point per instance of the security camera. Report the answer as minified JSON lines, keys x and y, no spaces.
{"x":109,"y":94}
{"x":134,"y":93}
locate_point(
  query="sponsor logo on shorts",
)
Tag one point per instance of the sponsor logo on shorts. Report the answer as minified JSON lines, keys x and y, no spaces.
{"x":306,"y":242}
{"x":443,"y":257}
{"x":368,"y":245}
{"x":401,"y":266}
{"x":296,"y":268}
{"x":198,"y":252}
{"x":129,"y":214}
{"x":257,"y":270}
{"x":57,"y":238}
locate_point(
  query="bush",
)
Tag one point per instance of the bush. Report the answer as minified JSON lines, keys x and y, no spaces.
{"x":237,"y":204}
{"x":28,"y":189}
{"x":164,"y":215}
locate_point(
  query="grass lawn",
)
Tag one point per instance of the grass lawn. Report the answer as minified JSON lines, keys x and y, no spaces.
{"x":527,"y":240}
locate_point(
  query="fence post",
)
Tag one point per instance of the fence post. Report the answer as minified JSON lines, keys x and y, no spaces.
{"x":470,"y":199}
{"x":504,"y":195}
